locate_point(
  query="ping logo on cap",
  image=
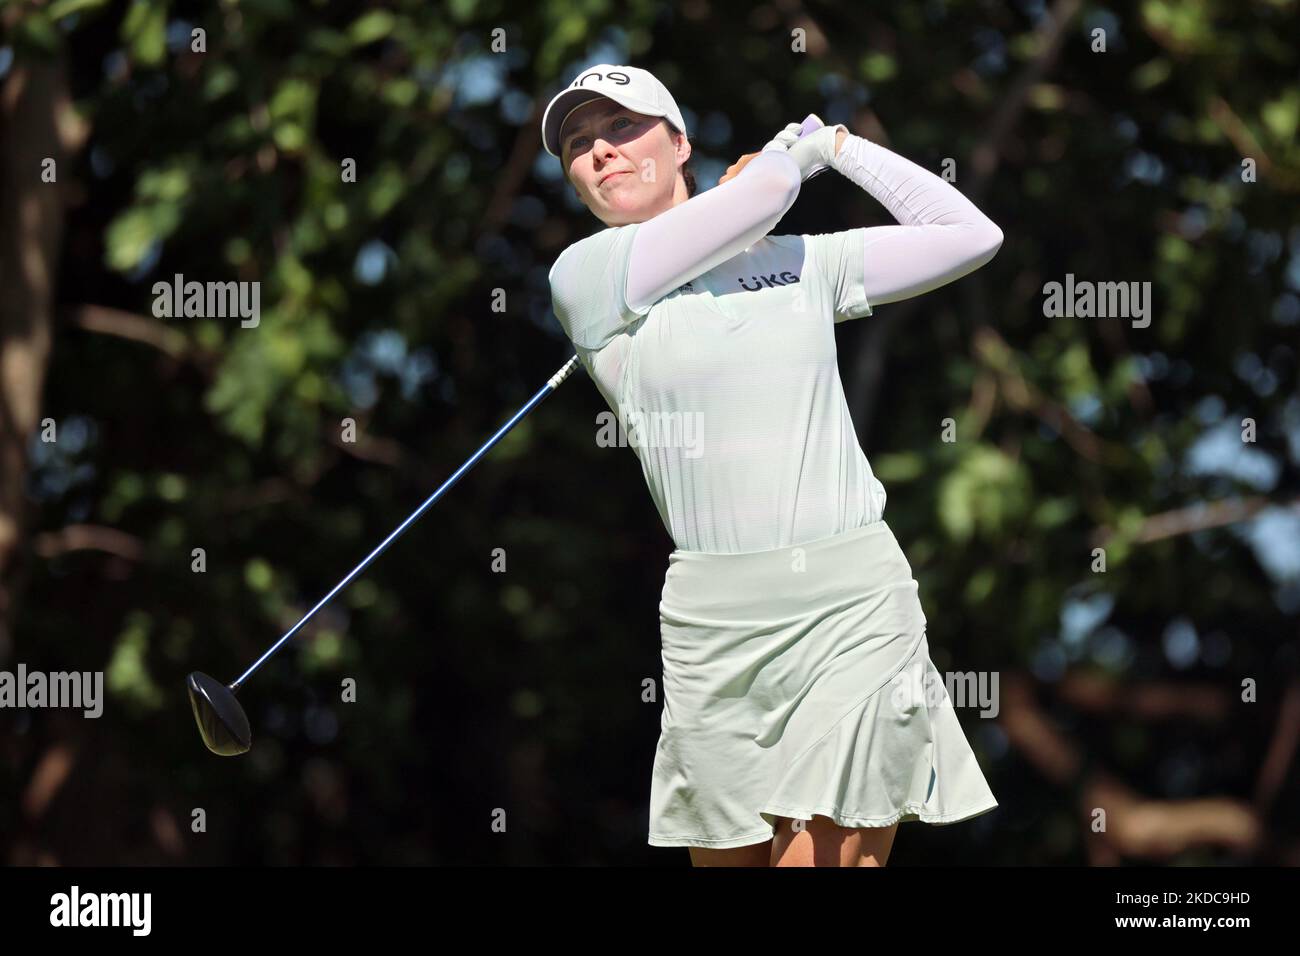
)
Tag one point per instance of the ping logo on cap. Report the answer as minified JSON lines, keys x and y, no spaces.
{"x":622,"y":79}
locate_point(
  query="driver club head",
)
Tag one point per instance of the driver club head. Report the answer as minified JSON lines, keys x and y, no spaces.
{"x":221,"y":720}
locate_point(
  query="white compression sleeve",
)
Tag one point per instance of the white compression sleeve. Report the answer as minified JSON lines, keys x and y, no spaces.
{"x":710,"y":227}
{"x":943,"y":235}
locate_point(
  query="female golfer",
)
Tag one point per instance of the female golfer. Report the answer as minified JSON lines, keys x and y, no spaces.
{"x":802,"y":716}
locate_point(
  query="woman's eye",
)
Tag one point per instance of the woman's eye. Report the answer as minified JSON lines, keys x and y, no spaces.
{"x":579,"y":140}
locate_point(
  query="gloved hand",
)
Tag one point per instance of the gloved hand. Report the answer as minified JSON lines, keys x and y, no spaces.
{"x":816,"y":151}
{"x":784,"y":139}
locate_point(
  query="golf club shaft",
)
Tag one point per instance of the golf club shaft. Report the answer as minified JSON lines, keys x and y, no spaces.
{"x":810,"y":123}
{"x":551,"y":385}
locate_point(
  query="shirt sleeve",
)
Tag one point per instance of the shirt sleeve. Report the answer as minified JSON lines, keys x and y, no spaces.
{"x":941,"y":235}
{"x":839,"y":259}
{"x":587,"y":287}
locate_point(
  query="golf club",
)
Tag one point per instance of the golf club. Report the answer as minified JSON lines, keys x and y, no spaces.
{"x":222,"y":721}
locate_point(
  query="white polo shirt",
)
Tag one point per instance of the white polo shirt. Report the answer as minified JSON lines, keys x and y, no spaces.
{"x":728,"y":386}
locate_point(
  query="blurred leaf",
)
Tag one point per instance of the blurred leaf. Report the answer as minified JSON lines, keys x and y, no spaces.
{"x":127,"y":674}
{"x":980,"y":585}
{"x":899,"y":467}
{"x":258,"y":575}
{"x":1152,"y":73}
{"x":371,"y":26}
{"x":62,"y":8}
{"x":1054,"y":512}
{"x":37,"y":31}
{"x":128,"y":239}
{"x":145,"y":31}
{"x":878,"y":67}
{"x":514,"y":443}
{"x":1282,"y":115}
{"x":987,"y":490}
{"x":220,"y":79}
{"x":323,"y":652}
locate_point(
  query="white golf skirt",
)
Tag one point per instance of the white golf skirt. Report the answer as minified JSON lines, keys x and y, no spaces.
{"x":798,"y":682}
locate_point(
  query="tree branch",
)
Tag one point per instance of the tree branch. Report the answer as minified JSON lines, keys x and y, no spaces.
{"x":88,"y":537}
{"x":994,"y":352}
{"x":1134,"y":826}
{"x":1154,"y":700}
{"x":128,"y":325}
{"x":1197,"y":517}
{"x":1281,"y":749}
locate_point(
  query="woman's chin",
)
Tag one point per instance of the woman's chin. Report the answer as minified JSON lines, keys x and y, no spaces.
{"x":625,"y":209}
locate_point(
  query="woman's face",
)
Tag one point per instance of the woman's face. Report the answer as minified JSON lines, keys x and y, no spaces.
{"x":623,"y":164}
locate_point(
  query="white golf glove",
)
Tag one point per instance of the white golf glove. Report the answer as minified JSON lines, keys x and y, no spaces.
{"x":816,"y":151}
{"x":784,"y":139}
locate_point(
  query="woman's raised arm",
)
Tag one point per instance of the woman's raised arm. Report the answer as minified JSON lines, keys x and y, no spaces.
{"x":943,"y":235}
{"x":709,"y":228}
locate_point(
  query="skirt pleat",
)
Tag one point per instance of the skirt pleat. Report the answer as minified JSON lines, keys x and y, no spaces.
{"x":798,"y":682}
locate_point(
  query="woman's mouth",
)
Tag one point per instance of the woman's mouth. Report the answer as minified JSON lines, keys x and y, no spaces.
{"x":611,"y":176}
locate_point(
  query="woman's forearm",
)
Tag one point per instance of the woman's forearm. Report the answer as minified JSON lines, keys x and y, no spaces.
{"x":942,"y":235}
{"x":693,"y":237}
{"x":912,"y":194}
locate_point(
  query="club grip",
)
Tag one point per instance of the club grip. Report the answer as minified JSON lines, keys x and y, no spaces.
{"x":810,"y":124}
{"x":565,"y":371}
